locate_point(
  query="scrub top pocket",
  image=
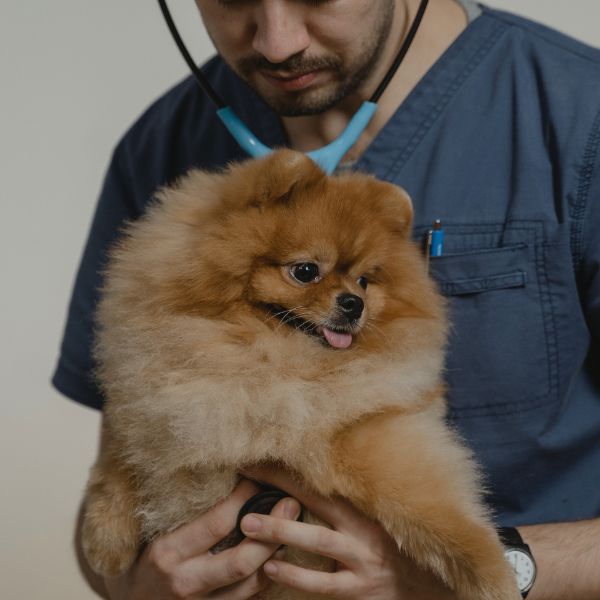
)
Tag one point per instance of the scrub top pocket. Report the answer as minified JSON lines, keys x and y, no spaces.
{"x":501,"y":320}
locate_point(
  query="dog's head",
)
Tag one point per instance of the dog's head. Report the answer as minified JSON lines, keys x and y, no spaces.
{"x":328,"y":256}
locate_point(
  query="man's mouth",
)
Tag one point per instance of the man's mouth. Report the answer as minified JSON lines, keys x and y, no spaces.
{"x":339,"y":337}
{"x":291,"y":82}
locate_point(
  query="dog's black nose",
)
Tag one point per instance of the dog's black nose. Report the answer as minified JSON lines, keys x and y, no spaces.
{"x":351,"y":305}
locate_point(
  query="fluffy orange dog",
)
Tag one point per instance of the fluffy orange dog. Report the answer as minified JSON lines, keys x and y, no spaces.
{"x":272,"y":313}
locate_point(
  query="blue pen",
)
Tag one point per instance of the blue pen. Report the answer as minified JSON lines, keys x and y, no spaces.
{"x":436,"y":247}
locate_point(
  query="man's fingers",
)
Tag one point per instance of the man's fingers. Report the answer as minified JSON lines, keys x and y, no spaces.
{"x":203,"y":533}
{"x":247,"y":588}
{"x":331,"y":585}
{"x":311,"y":538}
{"x":244,"y":589}
{"x":214,"y":571}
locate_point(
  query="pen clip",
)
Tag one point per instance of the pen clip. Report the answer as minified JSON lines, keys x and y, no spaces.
{"x":428,"y":242}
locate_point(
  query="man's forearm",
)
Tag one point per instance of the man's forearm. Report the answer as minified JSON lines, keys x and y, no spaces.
{"x":568,"y":560}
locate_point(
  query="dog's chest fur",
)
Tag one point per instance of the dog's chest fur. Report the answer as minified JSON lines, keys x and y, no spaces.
{"x":276,"y":397}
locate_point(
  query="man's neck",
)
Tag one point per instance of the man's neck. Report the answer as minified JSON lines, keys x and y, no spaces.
{"x":443,"y":22}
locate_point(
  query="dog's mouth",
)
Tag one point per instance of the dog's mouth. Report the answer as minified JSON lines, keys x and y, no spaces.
{"x":335,"y":335}
{"x":336,"y":338}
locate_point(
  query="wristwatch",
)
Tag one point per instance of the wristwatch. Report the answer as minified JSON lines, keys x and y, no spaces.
{"x":518,"y":554}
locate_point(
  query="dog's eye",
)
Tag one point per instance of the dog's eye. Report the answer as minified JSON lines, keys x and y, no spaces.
{"x":362,"y":281}
{"x":305,"y":272}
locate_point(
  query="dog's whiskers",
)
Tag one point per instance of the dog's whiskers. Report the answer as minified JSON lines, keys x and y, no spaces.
{"x":300,"y":314}
{"x":289,"y":315}
{"x":272,"y":315}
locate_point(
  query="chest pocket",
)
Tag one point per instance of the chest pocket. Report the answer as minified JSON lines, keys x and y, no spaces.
{"x":502,"y":348}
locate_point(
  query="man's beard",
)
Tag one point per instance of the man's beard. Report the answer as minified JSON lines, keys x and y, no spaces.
{"x":347,"y":77}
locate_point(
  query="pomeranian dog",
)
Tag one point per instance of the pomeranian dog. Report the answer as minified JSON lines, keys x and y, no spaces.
{"x":271,"y":313}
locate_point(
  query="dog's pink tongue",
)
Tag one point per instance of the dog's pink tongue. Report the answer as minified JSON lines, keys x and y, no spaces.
{"x":336,"y":339}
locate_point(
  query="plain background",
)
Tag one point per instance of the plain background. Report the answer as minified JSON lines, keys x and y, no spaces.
{"x":74,"y":74}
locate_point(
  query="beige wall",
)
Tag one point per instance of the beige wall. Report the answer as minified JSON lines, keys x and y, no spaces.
{"x":74,"y":74}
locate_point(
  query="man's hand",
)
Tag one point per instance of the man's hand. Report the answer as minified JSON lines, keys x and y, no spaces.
{"x":369,"y":563}
{"x":179,"y":564}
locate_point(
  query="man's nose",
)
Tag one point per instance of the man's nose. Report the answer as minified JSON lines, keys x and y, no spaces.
{"x":280,"y":30}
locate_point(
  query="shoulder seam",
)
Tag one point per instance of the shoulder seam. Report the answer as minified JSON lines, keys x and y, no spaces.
{"x":546,"y":39}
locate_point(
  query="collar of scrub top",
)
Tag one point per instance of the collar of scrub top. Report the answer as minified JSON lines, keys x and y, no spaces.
{"x":328,"y":157}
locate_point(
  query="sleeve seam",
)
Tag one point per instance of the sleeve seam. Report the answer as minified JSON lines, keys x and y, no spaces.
{"x":580,"y":203}
{"x":71,"y":384}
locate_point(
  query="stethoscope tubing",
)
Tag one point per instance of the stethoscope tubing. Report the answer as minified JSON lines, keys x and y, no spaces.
{"x":328,"y":157}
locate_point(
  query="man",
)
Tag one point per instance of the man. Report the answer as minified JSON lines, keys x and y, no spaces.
{"x":492,"y":124}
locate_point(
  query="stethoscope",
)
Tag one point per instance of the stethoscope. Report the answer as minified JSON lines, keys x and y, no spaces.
{"x":327,"y":157}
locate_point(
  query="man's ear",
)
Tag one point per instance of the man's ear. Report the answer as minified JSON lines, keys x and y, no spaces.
{"x":278,"y":174}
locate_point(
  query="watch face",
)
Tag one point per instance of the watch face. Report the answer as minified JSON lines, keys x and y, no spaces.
{"x":523,"y":567}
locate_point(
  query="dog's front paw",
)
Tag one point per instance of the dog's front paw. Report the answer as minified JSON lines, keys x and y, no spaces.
{"x":110,"y":545}
{"x":110,"y":531}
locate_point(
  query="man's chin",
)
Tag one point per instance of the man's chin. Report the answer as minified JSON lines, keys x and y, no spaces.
{"x":300,"y":104}
{"x":299,"y":109}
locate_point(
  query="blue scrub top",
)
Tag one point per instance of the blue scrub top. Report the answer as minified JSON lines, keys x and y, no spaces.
{"x":501,"y":141}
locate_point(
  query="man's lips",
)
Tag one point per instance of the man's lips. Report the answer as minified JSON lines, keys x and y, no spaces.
{"x":291,"y":83}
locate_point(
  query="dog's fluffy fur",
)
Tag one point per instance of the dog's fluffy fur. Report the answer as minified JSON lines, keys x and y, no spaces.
{"x":203,"y":375}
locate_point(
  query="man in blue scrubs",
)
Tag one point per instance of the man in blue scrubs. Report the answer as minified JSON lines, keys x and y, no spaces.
{"x":492,"y":124}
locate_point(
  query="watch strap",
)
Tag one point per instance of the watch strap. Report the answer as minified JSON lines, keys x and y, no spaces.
{"x":511,"y":538}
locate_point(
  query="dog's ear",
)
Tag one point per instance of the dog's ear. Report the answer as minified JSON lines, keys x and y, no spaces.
{"x":398,"y":208}
{"x":277,"y":175}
